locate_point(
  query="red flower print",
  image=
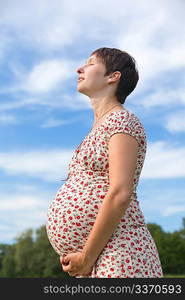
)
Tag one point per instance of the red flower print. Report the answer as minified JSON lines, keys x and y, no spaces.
{"x":73,"y":210}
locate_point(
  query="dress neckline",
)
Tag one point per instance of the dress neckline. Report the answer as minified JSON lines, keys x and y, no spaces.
{"x":94,"y":130}
{"x":105,"y":119}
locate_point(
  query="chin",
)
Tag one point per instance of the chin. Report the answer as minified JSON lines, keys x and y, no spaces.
{"x":82,"y":91}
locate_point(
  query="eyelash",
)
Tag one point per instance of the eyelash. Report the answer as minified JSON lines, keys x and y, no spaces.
{"x":88,"y":64}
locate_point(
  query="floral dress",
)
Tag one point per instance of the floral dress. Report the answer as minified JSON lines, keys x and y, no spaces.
{"x":131,"y":251}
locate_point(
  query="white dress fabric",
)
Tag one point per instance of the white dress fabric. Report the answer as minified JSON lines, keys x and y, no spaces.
{"x":131,"y":251}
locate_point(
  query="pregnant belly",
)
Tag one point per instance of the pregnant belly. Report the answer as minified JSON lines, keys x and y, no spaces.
{"x":71,"y":215}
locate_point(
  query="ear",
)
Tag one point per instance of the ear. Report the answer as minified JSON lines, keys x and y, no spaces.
{"x":114,"y":77}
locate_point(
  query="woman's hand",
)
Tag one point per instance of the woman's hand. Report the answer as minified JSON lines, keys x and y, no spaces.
{"x":76,"y":264}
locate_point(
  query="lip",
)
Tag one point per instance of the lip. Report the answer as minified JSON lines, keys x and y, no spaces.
{"x":80,"y":79}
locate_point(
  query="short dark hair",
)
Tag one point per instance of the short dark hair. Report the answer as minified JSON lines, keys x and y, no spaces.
{"x":118,"y":60}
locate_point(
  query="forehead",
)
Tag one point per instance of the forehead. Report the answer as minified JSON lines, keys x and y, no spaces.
{"x":93,"y":58}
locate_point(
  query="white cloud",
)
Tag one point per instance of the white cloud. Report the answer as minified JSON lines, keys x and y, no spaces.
{"x":156,"y":51}
{"x":173,"y":209}
{"x":36,"y":86}
{"x":47,"y":75}
{"x":43,"y":25}
{"x":4,"y":45}
{"x":165,"y":201}
{"x":164,"y":160}
{"x":22,"y":207}
{"x":150,"y":31}
{"x":162,"y":97}
{"x":6,"y":119}
{"x":175,"y":122}
{"x":56,"y":122}
{"x":48,"y":165}
{"x":134,"y":25}
{"x":37,"y":40}
{"x":68,"y":102}
{"x":21,"y":202}
{"x":24,"y":197}
{"x":16,"y":104}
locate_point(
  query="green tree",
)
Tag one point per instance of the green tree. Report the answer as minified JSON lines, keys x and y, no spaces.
{"x":3,"y":252}
{"x":171,"y":248}
{"x":30,"y":257}
{"x":45,"y":262}
{"x":160,"y":237}
{"x":35,"y":257}
{"x":175,"y":254}
{"x":24,"y":254}
{"x":8,"y":265}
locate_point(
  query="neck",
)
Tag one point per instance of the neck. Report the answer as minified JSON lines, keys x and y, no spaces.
{"x":101,"y":105}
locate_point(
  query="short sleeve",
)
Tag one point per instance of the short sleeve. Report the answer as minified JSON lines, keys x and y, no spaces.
{"x":125,"y":122}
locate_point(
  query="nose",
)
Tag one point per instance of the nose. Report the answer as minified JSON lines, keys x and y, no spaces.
{"x":80,"y":70}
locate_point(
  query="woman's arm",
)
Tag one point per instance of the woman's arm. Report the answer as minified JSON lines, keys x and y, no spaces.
{"x":123,"y":150}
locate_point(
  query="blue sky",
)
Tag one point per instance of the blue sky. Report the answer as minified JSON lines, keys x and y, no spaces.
{"x":43,"y":118}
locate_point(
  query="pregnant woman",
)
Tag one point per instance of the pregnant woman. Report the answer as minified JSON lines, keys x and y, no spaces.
{"x":95,"y":222}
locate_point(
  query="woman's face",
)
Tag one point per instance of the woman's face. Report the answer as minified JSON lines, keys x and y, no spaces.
{"x":91,"y":79}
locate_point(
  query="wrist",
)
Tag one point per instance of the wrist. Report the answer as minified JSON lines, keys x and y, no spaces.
{"x":88,"y":257}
